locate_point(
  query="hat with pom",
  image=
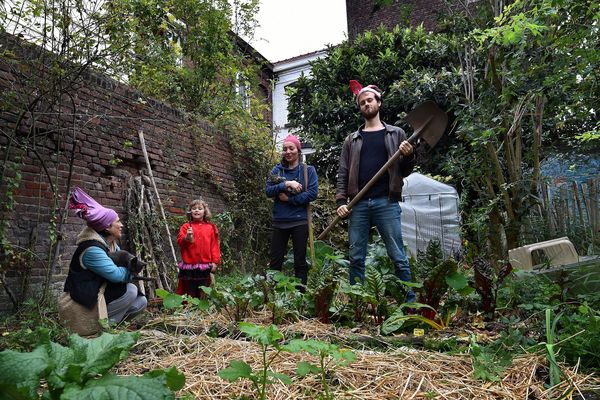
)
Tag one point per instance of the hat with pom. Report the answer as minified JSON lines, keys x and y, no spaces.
{"x":97,"y":217}
{"x":357,"y":89}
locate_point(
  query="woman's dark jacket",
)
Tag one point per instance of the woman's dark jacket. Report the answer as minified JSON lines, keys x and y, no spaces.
{"x":82,"y":283}
{"x":295,"y":209}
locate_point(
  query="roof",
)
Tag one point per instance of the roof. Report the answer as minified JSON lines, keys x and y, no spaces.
{"x":420,"y":185}
{"x":299,"y":57}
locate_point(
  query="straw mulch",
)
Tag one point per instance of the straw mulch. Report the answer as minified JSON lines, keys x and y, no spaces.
{"x":396,"y":374}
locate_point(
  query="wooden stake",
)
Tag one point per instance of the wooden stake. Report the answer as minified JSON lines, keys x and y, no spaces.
{"x":594,"y":223}
{"x":311,"y":235}
{"x":577,"y":202}
{"x":162,"y":211}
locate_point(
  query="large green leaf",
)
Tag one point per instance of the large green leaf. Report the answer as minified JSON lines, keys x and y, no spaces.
{"x":201,"y":304}
{"x":304,"y":368}
{"x":100,"y":354}
{"x":311,"y":346}
{"x":280,"y":377}
{"x":174,"y":379}
{"x":61,"y":368}
{"x":397,"y":320}
{"x":113,"y":387}
{"x":345,"y":356}
{"x":457,"y":281}
{"x":237,"y":369}
{"x":170,"y":300}
{"x":20,"y":372}
{"x":268,"y":335}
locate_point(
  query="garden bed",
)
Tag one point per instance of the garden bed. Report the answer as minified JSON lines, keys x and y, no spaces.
{"x":406,"y":373}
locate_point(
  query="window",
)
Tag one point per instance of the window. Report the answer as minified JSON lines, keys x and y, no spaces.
{"x":242,"y":88}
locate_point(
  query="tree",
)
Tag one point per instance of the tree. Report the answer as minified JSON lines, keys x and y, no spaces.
{"x":410,"y":65}
{"x":536,"y":86}
{"x":186,"y":53}
{"x":183,"y":51}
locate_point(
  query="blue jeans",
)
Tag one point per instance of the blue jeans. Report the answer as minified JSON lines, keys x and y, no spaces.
{"x":385,"y":215}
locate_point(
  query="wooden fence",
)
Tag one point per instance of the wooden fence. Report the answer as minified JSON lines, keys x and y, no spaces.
{"x":569,"y":209}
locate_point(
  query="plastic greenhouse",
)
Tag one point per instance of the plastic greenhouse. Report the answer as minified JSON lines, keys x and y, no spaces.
{"x":429,"y":212}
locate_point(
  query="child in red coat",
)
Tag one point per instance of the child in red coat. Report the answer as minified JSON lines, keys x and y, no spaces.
{"x":198,"y":241}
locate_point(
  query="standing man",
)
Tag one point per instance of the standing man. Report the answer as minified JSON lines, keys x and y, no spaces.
{"x":364,"y":152}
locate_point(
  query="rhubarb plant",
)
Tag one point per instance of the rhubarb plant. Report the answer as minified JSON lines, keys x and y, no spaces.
{"x":81,"y":371}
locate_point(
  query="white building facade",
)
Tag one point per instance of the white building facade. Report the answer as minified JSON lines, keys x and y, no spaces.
{"x":287,"y":72}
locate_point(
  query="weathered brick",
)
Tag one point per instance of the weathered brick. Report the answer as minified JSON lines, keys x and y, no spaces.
{"x":361,"y":15}
{"x":172,"y":146}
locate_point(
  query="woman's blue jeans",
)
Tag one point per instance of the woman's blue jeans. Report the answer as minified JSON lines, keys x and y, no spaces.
{"x":385,"y":215}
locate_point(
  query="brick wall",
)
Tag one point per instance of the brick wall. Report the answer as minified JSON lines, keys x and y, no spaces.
{"x":101,"y":118}
{"x":361,"y":17}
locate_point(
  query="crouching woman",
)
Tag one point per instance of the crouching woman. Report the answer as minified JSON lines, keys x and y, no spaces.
{"x":96,"y":287}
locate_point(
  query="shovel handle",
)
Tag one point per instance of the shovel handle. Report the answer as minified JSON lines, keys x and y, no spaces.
{"x":373,"y":180}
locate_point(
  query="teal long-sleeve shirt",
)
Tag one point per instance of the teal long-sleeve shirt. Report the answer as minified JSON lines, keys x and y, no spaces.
{"x":96,"y":260}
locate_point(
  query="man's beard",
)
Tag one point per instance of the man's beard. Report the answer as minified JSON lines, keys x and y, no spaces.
{"x":370,"y":113}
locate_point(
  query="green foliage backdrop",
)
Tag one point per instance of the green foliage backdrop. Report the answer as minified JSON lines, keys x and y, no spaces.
{"x":514,"y":80}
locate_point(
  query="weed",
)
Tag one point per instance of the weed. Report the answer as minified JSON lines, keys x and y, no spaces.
{"x":488,"y":365}
{"x":330,"y":357}
{"x":281,"y":296}
{"x":19,"y":330}
{"x":579,"y":336}
{"x":266,"y":337}
{"x":555,"y":372}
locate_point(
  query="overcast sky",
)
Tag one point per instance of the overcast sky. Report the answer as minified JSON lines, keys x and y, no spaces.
{"x":293,"y":27}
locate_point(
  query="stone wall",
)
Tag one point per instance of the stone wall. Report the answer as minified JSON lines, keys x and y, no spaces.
{"x":99,"y":119}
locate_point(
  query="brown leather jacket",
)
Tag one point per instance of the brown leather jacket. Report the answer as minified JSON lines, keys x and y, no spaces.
{"x":347,"y":178}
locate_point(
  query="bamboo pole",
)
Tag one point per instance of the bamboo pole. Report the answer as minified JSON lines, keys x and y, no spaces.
{"x":137,"y":250}
{"x":162,"y":211}
{"x":162,"y":282}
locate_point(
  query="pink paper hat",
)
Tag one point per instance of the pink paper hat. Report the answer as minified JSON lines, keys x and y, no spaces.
{"x":97,"y":217}
{"x":293,"y":139}
{"x":357,"y":89}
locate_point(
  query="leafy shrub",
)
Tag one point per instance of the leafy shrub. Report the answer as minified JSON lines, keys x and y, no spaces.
{"x":439,"y":274}
{"x":238,"y":299}
{"x":281,"y":296}
{"x":579,"y":337}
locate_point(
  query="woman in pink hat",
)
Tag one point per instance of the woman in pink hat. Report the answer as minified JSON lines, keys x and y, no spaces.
{"x":292,"y":194}
{"x":91,"y":267}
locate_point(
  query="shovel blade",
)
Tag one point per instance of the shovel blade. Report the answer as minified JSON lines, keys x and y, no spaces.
{"x":428,"y":122}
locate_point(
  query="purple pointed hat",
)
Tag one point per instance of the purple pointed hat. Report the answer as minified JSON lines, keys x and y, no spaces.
{"x":97,"y":217}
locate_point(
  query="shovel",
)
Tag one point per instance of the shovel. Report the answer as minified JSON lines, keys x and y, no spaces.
{"x":428,"y":122}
